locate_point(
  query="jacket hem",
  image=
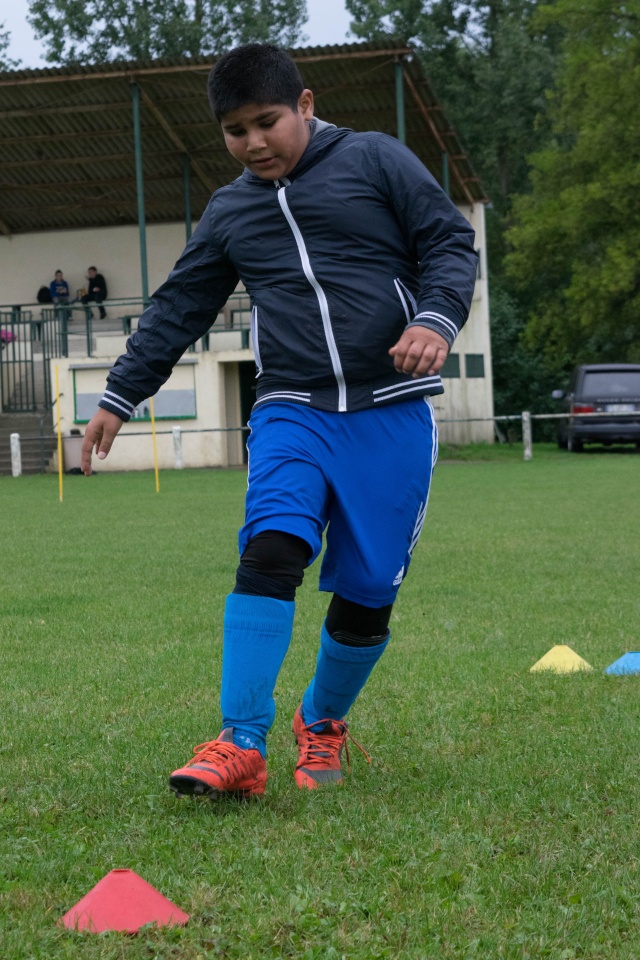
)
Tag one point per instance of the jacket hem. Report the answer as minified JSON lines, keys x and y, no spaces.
{"x":358,"y":397}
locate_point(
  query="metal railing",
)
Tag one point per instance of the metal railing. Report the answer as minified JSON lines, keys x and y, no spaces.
{"x":526,"y":418}
{"x":54,"y":324}
{"x":178,"y":432}
{"x":17,"y":375}
{"x":33,"y":334}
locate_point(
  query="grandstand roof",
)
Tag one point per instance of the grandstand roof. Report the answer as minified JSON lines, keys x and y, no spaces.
{"x":67,"y":147}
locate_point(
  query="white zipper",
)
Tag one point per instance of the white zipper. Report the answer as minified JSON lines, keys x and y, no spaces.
{"x":254,"y":340}
{"x":320,"y":294}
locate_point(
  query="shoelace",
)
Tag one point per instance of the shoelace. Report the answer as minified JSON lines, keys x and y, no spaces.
{"x":215,"y":751}
{"x":324,"y":742}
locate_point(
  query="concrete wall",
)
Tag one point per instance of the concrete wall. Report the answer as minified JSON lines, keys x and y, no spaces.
{"x":206,"y":440}
{"x":27,"y":261}
{"x":470,"y":397}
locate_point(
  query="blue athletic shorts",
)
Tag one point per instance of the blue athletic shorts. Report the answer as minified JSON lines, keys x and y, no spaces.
{"x":363,"y":477}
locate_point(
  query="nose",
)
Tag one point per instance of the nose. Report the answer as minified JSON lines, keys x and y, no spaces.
{"x":255,"y":140}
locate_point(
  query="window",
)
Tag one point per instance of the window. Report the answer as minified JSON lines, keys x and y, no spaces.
{"x":474,"y":364}
{"x":611,"y":383}
{"x":176,"y":400}
{"x":451,"y":367}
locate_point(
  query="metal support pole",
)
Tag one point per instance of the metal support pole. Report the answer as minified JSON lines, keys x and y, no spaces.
{"x":16,"y":456}
{"x":63,"y":333}
{"x":186,"y":175}
{"x":43,"y":463}
{"x":446,"y":184}
{"x":89,"y":331}
{"x":526,"y":434}
{"x":142,"y":228}
{"x":400,"y":103}
{"x":177,"y":447}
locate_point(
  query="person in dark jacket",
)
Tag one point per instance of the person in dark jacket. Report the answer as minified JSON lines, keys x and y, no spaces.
{"x":96,"y":290}
{"x":361,"y":273}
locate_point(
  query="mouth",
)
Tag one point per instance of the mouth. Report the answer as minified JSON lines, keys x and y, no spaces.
{"x":262,"y":162}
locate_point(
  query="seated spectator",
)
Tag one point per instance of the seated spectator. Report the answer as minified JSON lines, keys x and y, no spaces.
{"x":96,"y":290}
{"x":59,"y":289}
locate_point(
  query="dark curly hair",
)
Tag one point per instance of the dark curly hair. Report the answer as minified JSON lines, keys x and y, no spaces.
{"x":254,"y":73}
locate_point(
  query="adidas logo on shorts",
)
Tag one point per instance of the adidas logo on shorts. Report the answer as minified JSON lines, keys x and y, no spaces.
{"x":399,"y":575}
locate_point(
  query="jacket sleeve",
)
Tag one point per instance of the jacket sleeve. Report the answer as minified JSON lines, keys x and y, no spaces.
{"x":440,"y":237}
{"x":181,"y":311}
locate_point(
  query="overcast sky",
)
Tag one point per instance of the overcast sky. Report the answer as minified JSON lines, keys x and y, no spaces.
{"x":328,"y":23}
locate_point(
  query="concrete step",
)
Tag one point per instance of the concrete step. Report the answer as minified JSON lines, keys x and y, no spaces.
{"x":10,"y":419}
{"x":26,"y":436}
{"x":35,"y":450}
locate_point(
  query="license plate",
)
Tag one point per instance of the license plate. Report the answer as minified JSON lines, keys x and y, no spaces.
{"x":620,"y":407}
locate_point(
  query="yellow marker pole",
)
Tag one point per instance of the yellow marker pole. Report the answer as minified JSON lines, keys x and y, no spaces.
{"x":155,"y":445}
{"x":59,"y":433}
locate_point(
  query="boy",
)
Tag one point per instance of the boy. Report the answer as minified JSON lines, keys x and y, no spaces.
{"x":59,"y":288}
{"x":361,"y":273}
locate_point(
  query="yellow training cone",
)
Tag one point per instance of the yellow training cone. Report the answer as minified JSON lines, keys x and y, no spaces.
{"x":561,"y":659}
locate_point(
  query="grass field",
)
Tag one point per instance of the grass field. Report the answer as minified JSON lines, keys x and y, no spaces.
{"x":499,"y":815}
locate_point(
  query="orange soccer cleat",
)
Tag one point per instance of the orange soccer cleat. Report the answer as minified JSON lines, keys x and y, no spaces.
{"x":220,"y":767}
{"x":320,"y":747}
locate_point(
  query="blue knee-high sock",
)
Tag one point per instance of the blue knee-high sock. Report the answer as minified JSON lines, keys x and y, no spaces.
{"x":257,"y":631}
{"x":341,"y":673}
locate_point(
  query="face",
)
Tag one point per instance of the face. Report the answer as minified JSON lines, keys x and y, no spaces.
{"x":91,"y":273}
{"x":58,"y":274}
{"x":270,"y":138}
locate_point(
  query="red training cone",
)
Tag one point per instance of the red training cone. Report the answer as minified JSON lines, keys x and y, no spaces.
{"x":122,"y":901}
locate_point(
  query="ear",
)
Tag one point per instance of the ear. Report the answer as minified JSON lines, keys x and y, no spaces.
{"x":305,"y":105}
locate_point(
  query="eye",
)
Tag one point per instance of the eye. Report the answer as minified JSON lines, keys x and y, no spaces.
{"x":266,"y":124}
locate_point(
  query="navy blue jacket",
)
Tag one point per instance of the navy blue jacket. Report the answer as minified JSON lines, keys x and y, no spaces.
{"x":356,"y":243}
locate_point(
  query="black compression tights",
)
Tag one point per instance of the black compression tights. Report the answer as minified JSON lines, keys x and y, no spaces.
{"x":273,"y":565}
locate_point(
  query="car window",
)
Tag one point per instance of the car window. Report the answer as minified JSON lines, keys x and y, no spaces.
{"x":611,"y":383}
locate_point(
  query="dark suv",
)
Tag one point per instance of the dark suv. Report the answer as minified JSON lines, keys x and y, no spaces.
{"x":602,"y":388}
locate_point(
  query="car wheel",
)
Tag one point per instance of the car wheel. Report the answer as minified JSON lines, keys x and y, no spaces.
{"x":573,"y":445}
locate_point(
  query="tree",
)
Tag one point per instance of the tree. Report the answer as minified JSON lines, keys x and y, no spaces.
{"x":488,"y":68}
{"x":521,"y":379}
{"x":6,"y":63}
{"x":576,"y":236}
{"x":99,"y":31}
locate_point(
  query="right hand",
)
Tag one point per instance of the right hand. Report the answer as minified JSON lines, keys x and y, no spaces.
{"x":420,"y":352}
{"x":101,"y":431}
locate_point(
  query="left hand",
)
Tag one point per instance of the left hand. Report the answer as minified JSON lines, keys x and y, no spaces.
{"x":420,"y":352}
{"x":100,"y":433}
